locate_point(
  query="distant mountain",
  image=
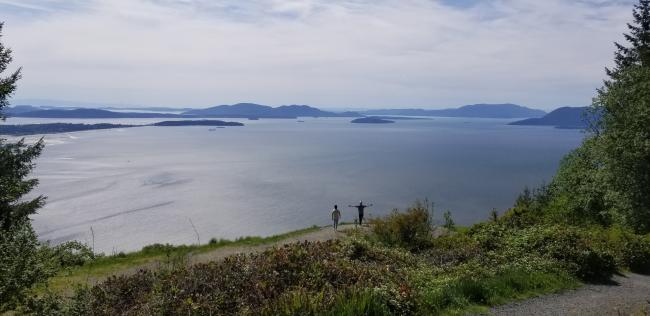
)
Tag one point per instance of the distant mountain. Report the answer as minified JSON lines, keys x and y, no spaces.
{"x":252,"y":110}
{"x":89,"y":113}
{"x":20,"y":109}
{"x":565,"y":117}
{"x":475,"y":110}
{"x":147,"y":109}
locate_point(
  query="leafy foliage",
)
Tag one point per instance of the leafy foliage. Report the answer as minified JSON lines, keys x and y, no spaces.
{"x":23,"y":263}
{"x":607,"y":179}
{"x":625,"y":140}
{"x":72,"y":254}
{"x":449,"y":221}
{"x":410,"y":230}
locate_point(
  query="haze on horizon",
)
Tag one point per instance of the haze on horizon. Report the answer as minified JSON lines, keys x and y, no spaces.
{"x":326,"y":53}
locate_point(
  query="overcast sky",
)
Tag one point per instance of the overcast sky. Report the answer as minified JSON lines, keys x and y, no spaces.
{"x":327,"y":53}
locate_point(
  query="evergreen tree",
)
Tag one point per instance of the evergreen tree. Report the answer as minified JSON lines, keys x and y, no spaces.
{"x":622,"y":134}
{"x":23,"y":261}
{"x":638,"y":53}
{"x":15,"y":159}
{"x":607,"y":179}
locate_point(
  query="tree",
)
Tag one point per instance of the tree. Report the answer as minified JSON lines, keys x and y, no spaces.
{"x":23,"y":261}
{"x":607,"y":179}
{"x":449,"y":222}
{"x":638,"y":53}
{"x":625,"y":141}
{"x":623,"y":128}
{"x":15,"y":158}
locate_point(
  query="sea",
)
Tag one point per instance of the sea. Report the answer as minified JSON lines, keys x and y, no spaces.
{"x":121,"y":189}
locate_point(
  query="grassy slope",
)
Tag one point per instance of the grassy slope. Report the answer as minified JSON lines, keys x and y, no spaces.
{"x":104,"y":267}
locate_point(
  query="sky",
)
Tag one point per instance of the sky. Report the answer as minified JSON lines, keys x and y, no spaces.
{"x":328,"y":53}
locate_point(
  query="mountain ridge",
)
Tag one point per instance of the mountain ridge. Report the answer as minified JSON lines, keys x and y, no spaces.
{"x":481,"y":110}
{"x":563,"y":117}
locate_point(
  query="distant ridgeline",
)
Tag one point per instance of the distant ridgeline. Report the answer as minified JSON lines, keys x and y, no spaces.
{"x":565,"y":117}
{"x":475,"y":110}
{"x":240,"y":110}
{"x":54,"y":128}
{"x":251,"y":110}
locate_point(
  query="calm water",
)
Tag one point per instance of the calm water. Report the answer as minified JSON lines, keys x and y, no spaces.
{"x":143,"y":185}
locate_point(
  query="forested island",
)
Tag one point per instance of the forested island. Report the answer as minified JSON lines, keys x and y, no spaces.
{"x":197,"y":123}
{"x":564,"y":117}
{"x":54,"y":128}
{"x":371,"y":120}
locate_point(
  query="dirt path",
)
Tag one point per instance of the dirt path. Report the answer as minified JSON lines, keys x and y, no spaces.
{"x":628,"y":295}
{"x":323,"y":234}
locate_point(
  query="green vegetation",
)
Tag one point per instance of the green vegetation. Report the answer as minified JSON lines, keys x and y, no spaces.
{"x":392,"y":270}
{"x":590,"y":222}
{"x":23,"y":261}
{"x":606,"y":180}
{"x":164,"y":255}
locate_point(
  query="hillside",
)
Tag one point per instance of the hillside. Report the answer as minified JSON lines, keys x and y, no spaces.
{"x":252,"y":110}
{"x":55,"y":128}
{"x":564,"y":117}
{"x":87,"y":113}
{"x":475,"y":110}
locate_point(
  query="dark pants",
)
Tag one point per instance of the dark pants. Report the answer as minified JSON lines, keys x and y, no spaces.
{"x":360,"y":219}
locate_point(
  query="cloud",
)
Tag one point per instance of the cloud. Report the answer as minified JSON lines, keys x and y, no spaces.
{"x":357,"y":53}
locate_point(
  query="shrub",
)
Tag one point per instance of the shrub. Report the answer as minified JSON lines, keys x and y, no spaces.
{"x":72,"y":254}
{"x":465,"y":291}
{"x":449,"y":222}
{"x":411,"y":229}
{"x":158,"y":248}
{"x":452,"y":250}
{"x":351,"y":303}
{"x":272,"y":280}
{"x":571,"y":246}
{"x":636,"y":253}
{"x":23,"y":264}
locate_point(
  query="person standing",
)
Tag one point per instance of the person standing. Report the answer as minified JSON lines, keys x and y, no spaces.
{"x":361,"y":207}
{"x":336,"y":216}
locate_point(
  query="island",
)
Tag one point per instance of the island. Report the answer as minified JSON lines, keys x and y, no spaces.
{"x":371,"y":120}
{"x":55,"y":128}
{"x":197,"y":123}
{"x":564,"y":117}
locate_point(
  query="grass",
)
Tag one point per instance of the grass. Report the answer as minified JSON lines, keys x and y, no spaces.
{"x":157,"y":254}
{"x":466,"y":295}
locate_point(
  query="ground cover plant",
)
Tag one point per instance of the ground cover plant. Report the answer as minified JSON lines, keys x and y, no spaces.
{"x":394,"y":269}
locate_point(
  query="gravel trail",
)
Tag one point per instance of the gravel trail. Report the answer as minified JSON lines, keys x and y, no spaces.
{"x":627,"y":295}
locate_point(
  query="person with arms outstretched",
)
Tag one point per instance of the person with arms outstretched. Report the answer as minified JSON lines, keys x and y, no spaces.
{"x":361,"y":207}
{"x":336,"y":215}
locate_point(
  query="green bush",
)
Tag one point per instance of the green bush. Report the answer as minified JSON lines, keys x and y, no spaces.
{"x":72,"y":254}
{"x":632,"y":251}
{"x":571,"y":246}
{"x":452,"y":250}
{"x":271,"y":280}
{"x":636,"y":253}
{"x":351,"y":303}
{"x":411,"y":229}
{"x":490,"y":290}
{"x":24,"y":263}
